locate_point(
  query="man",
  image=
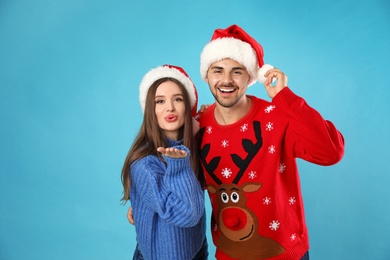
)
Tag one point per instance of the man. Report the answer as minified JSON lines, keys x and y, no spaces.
{"x":248,"y":150}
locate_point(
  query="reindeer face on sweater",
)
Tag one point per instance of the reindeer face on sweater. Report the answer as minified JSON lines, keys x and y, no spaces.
{"x":237,"y":223}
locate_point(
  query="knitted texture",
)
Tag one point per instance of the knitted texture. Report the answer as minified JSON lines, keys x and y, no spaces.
{"x":168,"y":207}
{"x":252,"y":176}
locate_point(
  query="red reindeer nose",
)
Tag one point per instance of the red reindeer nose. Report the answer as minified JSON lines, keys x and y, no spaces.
{"x":234,"y":218}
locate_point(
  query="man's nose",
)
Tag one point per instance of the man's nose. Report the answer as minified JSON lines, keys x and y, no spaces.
{"x":227,"y":78}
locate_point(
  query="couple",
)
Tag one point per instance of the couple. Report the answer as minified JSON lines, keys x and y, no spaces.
{"x":247,"y":149}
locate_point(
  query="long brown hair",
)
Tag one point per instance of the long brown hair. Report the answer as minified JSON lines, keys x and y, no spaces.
{"x":150,"y":136}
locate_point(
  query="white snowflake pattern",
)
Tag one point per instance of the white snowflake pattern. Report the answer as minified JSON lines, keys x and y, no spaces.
{"x":293,"y":237}
{"x":269,"y":109}
{"x":282,"y":167}
{"x":269,"y":126}
{"x":244,"y":127}
{"x":225,"y":143}
{"x":226,"y":172}
{"x":252,"y":175}
{"x":209,"y":130}
{"x":272,"y":149}
{"x":267,"y":200}
{"x":292,"y":200}
{"x":274,"y":225}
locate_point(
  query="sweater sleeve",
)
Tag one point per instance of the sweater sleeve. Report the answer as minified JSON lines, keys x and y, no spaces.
{"x":171,"y":191}
{"x":311,"y":137}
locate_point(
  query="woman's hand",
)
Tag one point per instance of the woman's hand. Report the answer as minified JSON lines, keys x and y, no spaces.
{"x":172,"y":152}
{"x":130,"y":217}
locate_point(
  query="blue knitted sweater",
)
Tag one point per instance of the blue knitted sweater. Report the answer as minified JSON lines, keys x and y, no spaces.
{"x":168,"y":207}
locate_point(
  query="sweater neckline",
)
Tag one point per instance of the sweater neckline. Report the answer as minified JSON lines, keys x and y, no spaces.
{"x":174,"y":142}
{"x":252,"y":110}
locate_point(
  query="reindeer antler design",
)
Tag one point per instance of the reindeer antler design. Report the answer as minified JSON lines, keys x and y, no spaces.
{"x":213,"y":164}
{"x":249,"y":147}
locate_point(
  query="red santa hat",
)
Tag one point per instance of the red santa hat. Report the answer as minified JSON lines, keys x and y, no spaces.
{"x":234,"y":43}
{"x":168,"y":71}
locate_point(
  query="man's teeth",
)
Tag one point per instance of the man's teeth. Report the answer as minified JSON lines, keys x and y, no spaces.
{"x":226,"y":90}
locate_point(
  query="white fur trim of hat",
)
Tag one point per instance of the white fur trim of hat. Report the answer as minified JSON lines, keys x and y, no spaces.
{"x":167,"y":71}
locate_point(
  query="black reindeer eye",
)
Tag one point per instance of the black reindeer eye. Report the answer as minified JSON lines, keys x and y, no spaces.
{"x":235,"y":197}
{"x":224,"y":197}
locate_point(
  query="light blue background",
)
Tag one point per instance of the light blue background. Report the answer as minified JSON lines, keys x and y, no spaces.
{"x":69,"y":75}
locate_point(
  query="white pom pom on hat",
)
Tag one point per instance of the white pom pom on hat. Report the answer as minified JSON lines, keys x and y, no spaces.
{"x":262,"y":71}
{"x":234,"y":43}
{"x":168,"y":71}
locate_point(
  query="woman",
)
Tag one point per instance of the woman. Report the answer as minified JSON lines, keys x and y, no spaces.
{"x":161,"y":171}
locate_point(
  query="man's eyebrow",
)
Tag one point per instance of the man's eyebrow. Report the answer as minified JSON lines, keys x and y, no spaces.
{"x":238,"y":68}
{"x":221,"y":68}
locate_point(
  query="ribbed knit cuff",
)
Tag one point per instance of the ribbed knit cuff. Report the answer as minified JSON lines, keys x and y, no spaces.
{"x":177,"y":165}
{"x":285,"y":97}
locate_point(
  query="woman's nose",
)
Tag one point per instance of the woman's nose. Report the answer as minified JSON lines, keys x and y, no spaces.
{"x":170,"y":107}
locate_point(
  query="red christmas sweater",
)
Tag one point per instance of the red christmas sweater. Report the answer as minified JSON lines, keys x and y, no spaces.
{"x":252,"y":177}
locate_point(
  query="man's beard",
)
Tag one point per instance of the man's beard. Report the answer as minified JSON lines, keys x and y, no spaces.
{"x":221,"y":101}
